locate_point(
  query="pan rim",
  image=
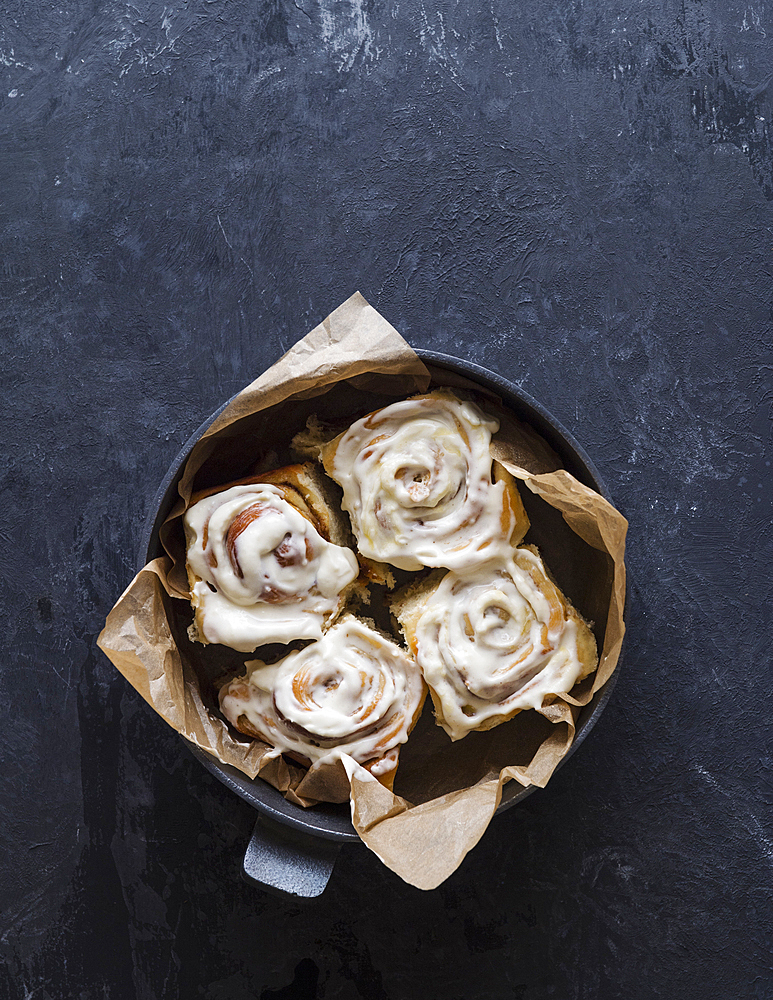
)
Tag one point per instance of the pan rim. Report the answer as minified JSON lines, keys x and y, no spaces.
{"x":332,"y":825}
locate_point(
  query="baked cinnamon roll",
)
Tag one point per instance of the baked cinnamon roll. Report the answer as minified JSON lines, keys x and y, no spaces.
{"x":353,"y":692}
{"x":417,"y":484}
{"x":494,"y":640}
{"x":261,"y":566}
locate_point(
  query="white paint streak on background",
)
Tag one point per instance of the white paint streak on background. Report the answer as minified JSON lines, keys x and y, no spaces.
{"x":744,"y":815}
{"x":155,"y":50}
{"x":9,"y":59}
{"x":347,"y":32}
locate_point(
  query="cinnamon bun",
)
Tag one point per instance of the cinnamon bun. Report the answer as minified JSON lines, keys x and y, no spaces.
{"x":494,"y":640}
{"x":353,"y":692}
{"x":261,"y":566}
{"x":419,"y":487}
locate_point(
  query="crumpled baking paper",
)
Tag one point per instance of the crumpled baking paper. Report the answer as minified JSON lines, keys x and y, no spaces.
{"x":448,"y":791}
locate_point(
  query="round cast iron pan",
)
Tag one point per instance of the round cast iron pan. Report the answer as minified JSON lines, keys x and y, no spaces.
{"x":293,"y":849}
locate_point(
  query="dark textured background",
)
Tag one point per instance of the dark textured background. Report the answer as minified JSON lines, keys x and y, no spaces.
{"x":578,"y":195}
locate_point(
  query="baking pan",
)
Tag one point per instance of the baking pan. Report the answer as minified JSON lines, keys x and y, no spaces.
{"x":292,"y":849}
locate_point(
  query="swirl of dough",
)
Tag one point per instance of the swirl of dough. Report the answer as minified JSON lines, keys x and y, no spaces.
{"x":259,"y":570}
{"x":354,"y":692}
{"x":496,"y":640}
{"x":417,"y":484}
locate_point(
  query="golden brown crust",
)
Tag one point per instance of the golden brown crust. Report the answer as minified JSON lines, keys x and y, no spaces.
{"x":587,"y":648}
{"x":307,"y":443}
{"x":301,"y":485}
{"x":408,"y":603}
{"x":513,"y":503}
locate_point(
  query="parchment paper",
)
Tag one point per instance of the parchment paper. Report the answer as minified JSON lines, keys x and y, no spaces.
{"x":425,"y":834}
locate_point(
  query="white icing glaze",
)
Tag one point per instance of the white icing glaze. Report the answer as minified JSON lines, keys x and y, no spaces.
{"x":353,"y":692}
{"x":416,"y":479}
{"x":494,"y":640}
{"x":275,"y":578}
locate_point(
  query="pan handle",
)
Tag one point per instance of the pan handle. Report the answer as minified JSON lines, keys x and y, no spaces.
{"x":286,"y":861}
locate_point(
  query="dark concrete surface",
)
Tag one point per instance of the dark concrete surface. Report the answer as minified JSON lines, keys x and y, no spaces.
{"x":578,"y":195}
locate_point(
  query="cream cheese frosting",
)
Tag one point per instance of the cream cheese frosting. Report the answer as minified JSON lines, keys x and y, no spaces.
{"x":498,"y":639}
{"x":353,"y":692}
{"x":417,"y":484}
{"x":261,"y":572}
